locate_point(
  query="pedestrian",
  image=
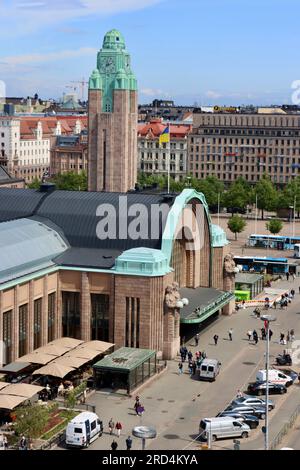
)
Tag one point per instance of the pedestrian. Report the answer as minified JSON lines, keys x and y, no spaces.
{"x":185,"y":353}
{"x":263,"y":333}
{"x":203,"y":355}
{"x":288,"y":337}
{"x":230,"y":331}
{"x":128,"y":443}
{"x":23,"y":443}
{"x":216,"y":337}
{"x":194,"y":367}
{"x":114,"y":445}
{"x":190,"y":355}
{"x":282,"y":335}
{"x":249,"y":334}
{"x":5,"y":442}
{"x":287,"y":276}
{"x":137,"y":404}
{"x":118,"y":428}
{"x":182,"y":353}
{"x":239,"y":394}
{"x":292,"y":333}
{"x":270,"y":334}
{"x":111,"y":426}
{"x":191,"y":367}
{"x":244,"y":304}
{"x":299,"y":377}
{"x":294,"y":276}
{"x":299,"y":289}
{"x":84,"y":396}
{"x":197,"y":339}
{"x":255,"y":336}
{"x":292,"y":293}
{"x":180,"y":367}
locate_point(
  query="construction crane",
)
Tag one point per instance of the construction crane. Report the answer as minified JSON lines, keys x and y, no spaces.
{"x":81,"y":84}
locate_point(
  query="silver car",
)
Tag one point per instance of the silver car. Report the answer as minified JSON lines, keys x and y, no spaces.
{"x":255,"y":402}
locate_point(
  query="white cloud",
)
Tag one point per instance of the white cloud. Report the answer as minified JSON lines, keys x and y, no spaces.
{"x":156,"y":92}
{"x":38,"y":58}
{"x":213,"y":94}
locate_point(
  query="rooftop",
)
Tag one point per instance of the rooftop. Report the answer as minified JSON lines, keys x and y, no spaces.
{"x":125,"y":359}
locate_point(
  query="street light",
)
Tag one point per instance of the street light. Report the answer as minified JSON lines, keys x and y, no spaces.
{"x":267,"y":319}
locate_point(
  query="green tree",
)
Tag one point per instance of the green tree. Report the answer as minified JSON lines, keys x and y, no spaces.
{"x":35,"y":184}
{"x":274,"y":226}
{"x":70,"y":181}
{"x":236,"y":224}
{"x":237,"y":196}
{"x":31,"y":420}
{"x":290,"y":196}
{"x":267,"y":196}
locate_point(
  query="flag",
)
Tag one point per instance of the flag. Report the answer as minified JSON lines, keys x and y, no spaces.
{"x":165,"y":136}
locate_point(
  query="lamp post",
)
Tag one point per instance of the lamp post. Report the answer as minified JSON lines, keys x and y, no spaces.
{"x":267,"y":319}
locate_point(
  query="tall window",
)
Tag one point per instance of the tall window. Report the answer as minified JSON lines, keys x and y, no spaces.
{"x":7,"y":336}
{"x":37,"y":325}
{"x":100,"y":317}
{"x":23,"y":314}
{"x":132,"y":327}
{"x":71,"y":314}
{"x":51,"y":316}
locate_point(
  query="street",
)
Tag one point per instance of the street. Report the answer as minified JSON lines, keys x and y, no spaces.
{"x":175,"y":404}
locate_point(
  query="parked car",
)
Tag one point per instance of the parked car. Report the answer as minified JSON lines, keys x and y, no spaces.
{"x":254,"y":402}
{"x":251,"y":420}
{"x":284,"y":360}
{"x":220,"y":428}
{"x":259,"y":388}
{"x":83,"y":429}
{"x":260,"y":413}
{"x":290,"y":373}
{"x":275,"y":376}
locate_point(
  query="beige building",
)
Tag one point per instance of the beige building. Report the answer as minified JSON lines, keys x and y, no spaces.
{"x":153,"y":158}
{"x":70,"y":154}
{"x":230,"y":145}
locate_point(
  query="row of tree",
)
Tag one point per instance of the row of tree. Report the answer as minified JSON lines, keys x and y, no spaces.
{"x":238,"y":195}
{"x":237,"y":224}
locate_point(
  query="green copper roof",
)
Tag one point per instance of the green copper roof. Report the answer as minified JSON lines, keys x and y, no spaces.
{"x":142,"y":262}
{"x":125,"y":359}
{"x":219,"y":238}
{"x":113,"y":70}
{"x":114,"y":40}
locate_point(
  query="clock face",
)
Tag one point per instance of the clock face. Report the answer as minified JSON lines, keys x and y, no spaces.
{"x":107,"y":65}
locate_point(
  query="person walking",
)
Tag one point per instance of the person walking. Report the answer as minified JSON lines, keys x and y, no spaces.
{"x":239,"y":394}
{"x":191,"y":367}
{"x":216,"y":337}
{"x":230,"y":332}
{"x":197,"y":339}
{"x":190,"y":355}
{"x":294,"y":276}
{"x":23,"y":443}
{"x":270,"y":334}
{"x":249,"y":334}
{"x":282,"y":335}
{"x":194,"y":367}
{"x":118,"y":428}
{"x":111,"y":426}
{"x":114,"y":445}
{"x":185,"y":353}
{"x":180,"y":368}
{"x":292,"y":333}
{"x":182,"y":353}
{"x":128,"y":443}
{"x":5,"y":442}
{"x":287,"y":276}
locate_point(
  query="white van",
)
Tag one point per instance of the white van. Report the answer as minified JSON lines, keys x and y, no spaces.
{"x":222,"y":427}
{"x":275,"y":376}
{"x":83,"y":429}
{"x":209,"y":369}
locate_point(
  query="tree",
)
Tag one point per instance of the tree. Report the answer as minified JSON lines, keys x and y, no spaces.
{"x":274,"y":226}
{"x":267,"y":196}
{"x":31,"y":420}
{"x":236,"y":224}
{"x":70,"y":181}
{"x":237,"y":196}
{"x":35,"y":184}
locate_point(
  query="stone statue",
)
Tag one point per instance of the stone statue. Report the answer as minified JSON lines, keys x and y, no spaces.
{"x":229,"y":273}
{"x":172,"y":295}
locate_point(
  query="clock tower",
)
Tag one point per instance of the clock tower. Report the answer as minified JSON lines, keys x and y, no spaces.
{"x":112,"y":119}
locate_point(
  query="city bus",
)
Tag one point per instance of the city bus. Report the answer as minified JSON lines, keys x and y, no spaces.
{"x":276,"y":242}
{"x":262,"y":264}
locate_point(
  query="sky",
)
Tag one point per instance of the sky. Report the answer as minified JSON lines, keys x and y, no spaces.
{"x":224,"y":52}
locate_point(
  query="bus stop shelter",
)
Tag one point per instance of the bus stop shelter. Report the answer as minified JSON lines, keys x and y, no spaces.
{"x":126,"y":368}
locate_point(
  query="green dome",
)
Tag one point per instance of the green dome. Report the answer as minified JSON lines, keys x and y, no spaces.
{"x":114,"y":40}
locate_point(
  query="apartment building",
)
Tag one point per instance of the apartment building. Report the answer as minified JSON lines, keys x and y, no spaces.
{"x":153,"y":159}
{"x":26,"y":142}
{"x":70,"y":154}
{"x":230,"y":145}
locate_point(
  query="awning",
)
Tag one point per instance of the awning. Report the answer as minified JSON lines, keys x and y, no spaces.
{"x":15,"y":367}
{"x":21,"y":390}
{"x":55,"y":370}
{"x":71,"y":361}
{"x":9,"y":402}
{"x":69,"y":343}
{"x":84,"y":353}
{"x":54,"y":350}
{"x":36,"y":358}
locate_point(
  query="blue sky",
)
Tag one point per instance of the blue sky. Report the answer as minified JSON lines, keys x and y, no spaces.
{"x":204,"y":51}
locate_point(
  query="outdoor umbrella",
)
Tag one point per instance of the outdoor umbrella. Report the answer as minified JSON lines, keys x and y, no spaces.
{"x":54,"y":369}
{"x":69,"y":343}
{"x":9,"y":402}
{"x":37,"y":358}
{"x":21,"y":390}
